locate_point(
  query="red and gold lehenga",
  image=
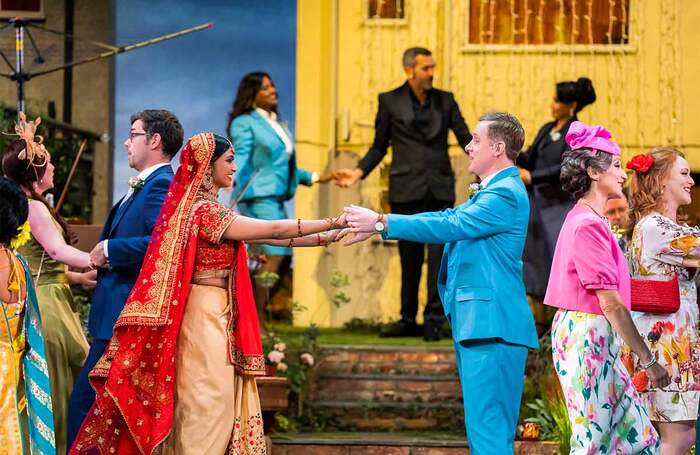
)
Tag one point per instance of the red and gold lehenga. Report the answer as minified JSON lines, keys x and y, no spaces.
{"x":179,"y":373}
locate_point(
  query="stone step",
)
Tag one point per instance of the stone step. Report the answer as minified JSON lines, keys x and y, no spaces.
{"x":388,"y":387}
{"x":388,"y":444}
{"x":389,"y":415}
{"x":387,"y":360}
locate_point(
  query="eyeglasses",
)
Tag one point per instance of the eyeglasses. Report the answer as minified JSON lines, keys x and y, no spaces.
{"x":132,"y":135}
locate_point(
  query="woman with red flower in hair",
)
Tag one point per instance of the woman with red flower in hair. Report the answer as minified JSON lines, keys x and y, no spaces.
{"x":660,"y":248}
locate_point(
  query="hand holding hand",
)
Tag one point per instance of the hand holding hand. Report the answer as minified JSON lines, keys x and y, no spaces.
{"x":88,"y":279}
{"x":326,"y":177}
{"x":525,"y":176}
{"x":346,"y":178}
{"x":658,"y":376}
{"x":356,"y":238}
{"x":361,"y":219}
{"x":97,"y":255}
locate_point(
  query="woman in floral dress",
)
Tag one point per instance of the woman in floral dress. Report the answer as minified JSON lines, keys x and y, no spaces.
{"x":660,"y":247}
{"x":590,"y":285}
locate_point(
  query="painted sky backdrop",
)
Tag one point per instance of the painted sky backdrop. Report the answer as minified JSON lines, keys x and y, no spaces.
{"x":196,"y":76}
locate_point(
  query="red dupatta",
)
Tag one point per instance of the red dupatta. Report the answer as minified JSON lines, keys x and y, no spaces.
{"x":135,"y":378}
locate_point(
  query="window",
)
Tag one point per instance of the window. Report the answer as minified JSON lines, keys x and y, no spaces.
{"x":543,"y":22}
{"x":385,"y":9}
{"x":26,"y":9}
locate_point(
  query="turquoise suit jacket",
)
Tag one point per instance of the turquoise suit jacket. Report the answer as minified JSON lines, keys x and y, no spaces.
{"x":258,"y":148}
{"x":480,"y":281}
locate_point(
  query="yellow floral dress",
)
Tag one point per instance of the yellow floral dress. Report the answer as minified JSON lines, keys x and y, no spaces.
{"x":658,"y":247}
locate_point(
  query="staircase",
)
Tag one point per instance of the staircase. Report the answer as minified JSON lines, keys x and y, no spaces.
{"x":388,"y":400}
{"x":389,"y":389}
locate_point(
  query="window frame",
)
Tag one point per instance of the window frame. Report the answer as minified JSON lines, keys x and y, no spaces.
{"x":473,"y":48}
{"x":384,"y":22}
{"x":7,"y":14}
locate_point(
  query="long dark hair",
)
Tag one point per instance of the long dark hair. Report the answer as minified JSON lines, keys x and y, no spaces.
{"x":248,"y":89}
{"x":24,"y":174}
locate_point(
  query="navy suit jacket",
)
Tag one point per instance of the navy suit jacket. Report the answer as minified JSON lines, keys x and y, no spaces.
{"x":481,"y":278}
{"x":128,"y":237}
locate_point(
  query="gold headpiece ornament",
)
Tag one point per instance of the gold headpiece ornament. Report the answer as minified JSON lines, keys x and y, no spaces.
{"x":35,"y":152}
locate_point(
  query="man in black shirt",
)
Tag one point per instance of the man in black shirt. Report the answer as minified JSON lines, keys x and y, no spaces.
{"x":414,"y":119}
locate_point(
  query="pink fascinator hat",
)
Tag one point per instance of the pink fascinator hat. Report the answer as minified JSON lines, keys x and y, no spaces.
{"x":593,"y":137}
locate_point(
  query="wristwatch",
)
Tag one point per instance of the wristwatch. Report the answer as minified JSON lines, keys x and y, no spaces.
{"x":380,"y":225}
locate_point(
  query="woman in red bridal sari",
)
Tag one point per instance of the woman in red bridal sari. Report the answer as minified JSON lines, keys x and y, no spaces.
{"x":179,"y":373}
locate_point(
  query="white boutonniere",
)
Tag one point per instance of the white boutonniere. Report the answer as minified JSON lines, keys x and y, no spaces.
{"x":473,"y":189}
{"x":136,"y":183}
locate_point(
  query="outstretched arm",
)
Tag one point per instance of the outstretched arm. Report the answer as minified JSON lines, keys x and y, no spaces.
{"x":382,"y":134}
{"x":251,"y":229}
{"x":44,"y":231}
{"x":320,"y":239}
{"x":491,"y":214}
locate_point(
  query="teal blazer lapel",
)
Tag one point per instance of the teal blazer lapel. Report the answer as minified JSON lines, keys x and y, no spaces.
{"x":266,"y":126}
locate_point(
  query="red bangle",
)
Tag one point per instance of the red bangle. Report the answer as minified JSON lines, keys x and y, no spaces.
{"x":299,"y":227}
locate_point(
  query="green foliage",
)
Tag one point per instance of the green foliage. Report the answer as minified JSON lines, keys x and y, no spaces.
{"x":62,"y":141}
{"x":297,"y":308}
{"x":267,"y":279}
{"x":301,"y":371}
{"x":339,"y":280}
{"x":284,"y":424}
{"x":543,"y":402}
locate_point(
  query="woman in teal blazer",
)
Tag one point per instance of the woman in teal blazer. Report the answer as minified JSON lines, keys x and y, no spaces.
{"x":267,"y":174}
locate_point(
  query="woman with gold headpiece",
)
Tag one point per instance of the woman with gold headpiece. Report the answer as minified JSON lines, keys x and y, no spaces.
{"x":49,"y":253}
{"x":25,"y":402}
{"x":179,"y":373}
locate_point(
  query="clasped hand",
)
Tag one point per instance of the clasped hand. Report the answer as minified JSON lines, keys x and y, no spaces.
{"x":361,"y":222}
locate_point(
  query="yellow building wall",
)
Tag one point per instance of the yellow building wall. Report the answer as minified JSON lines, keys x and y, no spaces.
{"x":648,"y":95}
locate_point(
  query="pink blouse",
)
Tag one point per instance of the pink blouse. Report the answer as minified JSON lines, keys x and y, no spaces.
{"x":587,"y":258}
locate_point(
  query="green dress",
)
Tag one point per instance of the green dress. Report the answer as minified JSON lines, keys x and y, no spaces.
{"x":66,"y":345}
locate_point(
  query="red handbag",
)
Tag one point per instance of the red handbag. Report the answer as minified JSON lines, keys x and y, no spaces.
{"x":656,"y":296}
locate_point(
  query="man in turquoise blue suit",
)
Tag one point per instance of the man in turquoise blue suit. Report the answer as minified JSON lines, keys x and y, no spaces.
{"x":480,"y":281}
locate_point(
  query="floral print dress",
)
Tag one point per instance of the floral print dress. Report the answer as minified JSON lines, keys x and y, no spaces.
{"x":658,"y":248}
{"x":606,"y":413}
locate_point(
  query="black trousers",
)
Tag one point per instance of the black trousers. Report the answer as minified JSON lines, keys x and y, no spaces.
{"x":412,"y":256}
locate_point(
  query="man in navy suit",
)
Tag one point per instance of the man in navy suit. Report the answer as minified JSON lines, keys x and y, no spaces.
{"x":154,"y":138}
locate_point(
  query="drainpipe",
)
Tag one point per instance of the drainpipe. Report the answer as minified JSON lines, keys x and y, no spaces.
{"x":333,"y":130}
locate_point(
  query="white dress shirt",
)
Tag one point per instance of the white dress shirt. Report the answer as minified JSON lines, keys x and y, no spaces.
{"x":485,"y":181}
{"x":271,"y":119}
{"x":143,"y":175}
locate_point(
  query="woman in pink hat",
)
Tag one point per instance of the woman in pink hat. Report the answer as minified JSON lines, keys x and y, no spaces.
{"x":663,"y":248}
{"x":590,"y":285}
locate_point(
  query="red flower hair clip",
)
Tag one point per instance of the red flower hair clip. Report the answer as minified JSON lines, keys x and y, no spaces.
{"x":640,"y":163}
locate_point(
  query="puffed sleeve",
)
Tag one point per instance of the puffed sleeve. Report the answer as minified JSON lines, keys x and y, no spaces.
{"x":594,"y":260}
{"x":214,"y":218}
{"x":669,"y":242}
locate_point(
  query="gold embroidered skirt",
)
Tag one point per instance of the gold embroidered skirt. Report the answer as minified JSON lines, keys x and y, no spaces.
{"x":217,"y":410}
